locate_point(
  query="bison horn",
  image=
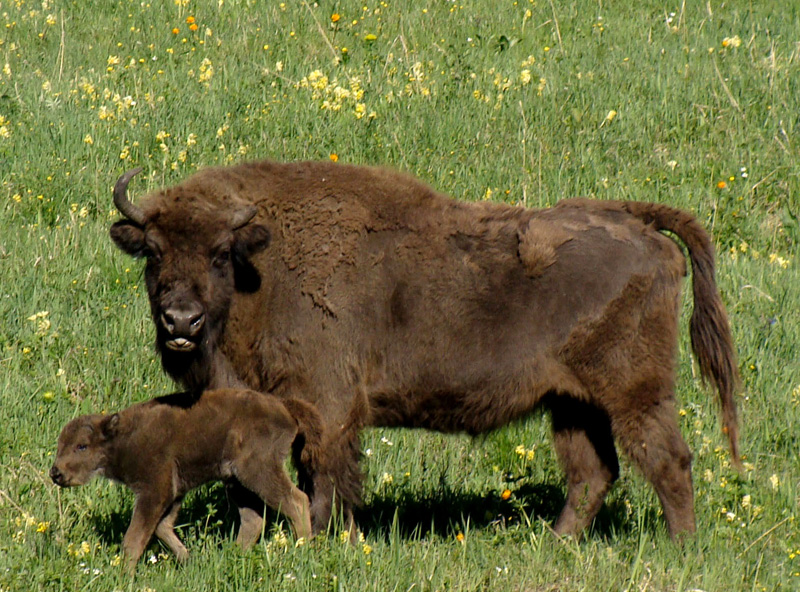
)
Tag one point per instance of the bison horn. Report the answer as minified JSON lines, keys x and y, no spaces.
{"x":124,"y":205}
{"x":243,"y":216}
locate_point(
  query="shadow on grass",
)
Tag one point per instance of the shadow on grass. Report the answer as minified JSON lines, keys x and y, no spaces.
{"x":206,"y":513}
{"x":209,"y":513}
{"x":447,"y":511}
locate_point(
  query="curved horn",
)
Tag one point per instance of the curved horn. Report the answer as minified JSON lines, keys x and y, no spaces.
{"x":243,"y":216}
{"x":121,"y":201}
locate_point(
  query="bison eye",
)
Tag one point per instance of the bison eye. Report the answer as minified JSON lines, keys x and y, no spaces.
{"x":152,"y":252}
{"x":222,"y":258}
{"x":153,"y":256}
{"x":80,"y":447}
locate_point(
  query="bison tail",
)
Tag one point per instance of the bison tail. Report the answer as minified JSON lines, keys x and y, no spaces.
{"x":709,"y":329}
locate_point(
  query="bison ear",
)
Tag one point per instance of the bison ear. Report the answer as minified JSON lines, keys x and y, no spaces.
{"x":251,"y":239}
{"x":129,"y":237}
{"x":110,"y":426}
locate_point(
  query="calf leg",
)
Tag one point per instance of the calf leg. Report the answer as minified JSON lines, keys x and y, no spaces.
{"x":652,"y":439}
{"x":585,"y":448}
{"x":166,"y":532}
{"x":272,"y":484}
{"x":251,"y":514}
{"x":259,"y":468}
{"x":148,"y":511}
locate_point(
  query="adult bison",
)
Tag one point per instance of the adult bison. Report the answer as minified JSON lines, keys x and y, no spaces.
{"x":385,"y":303}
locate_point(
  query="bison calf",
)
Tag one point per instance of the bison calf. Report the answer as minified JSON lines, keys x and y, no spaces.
{"x":165,"y":447}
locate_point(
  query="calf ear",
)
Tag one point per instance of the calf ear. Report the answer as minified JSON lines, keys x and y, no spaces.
{"x":251,"y":239}
{"x":110,"y":426}
{"x":129,"y":237}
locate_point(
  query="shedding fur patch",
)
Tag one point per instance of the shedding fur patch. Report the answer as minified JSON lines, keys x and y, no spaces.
{"x":317,"y":237}
{"x":537,"y":246}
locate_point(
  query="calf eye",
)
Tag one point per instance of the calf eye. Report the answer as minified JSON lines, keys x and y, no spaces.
{"x":80,"y":447}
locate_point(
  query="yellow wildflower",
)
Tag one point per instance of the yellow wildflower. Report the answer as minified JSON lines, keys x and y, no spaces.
{"x":105,"y":113}
{"x":206,"y":70}
{"x":734,"y":41}
{"x":5,"y":127}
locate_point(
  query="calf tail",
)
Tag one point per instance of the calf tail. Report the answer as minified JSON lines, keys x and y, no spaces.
{"x":309,"y":430}
{"x":327,"y":458}
{"x":709,"y":329}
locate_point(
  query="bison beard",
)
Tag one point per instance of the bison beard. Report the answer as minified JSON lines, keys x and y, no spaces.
{"x":382,"y":302}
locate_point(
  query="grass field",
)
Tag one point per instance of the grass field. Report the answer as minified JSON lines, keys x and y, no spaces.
{"x":692,"y":104}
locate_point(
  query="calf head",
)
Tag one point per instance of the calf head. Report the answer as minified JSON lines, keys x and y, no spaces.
{"x":197,"y":256}
{"x":82,"y":448}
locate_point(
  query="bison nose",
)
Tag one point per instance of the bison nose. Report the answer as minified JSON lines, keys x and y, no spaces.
{"x":184,"y":323}
{"x":56,"y":475}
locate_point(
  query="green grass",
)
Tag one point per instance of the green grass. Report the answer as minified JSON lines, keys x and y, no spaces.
{"x":510,"y":101}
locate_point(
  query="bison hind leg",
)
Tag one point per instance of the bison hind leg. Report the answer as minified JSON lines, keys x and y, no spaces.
{"x":585,"y":447}
{"x":652,"y":440}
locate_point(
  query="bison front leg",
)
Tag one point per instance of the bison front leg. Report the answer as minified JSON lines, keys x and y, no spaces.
{"x":585,"y":448}
{"x":337,"y":481}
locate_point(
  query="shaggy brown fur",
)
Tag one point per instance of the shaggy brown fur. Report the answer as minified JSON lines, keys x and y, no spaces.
{"x":163,"y":448}
{"x":455,"y":316}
